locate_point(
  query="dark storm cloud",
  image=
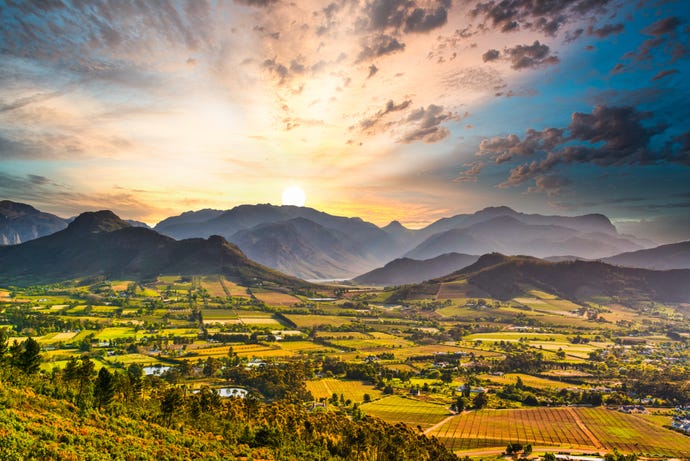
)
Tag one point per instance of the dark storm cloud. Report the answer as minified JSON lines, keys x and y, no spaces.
{"x":609,"y":136}
{"x":491,"y":55}
{"x":427,"y":124}
{"x":530,"y":56}
{"x":664,"y":73}
{"x":379,"y":45}
{"x":544,"y":16}
{"x":606,"y":30}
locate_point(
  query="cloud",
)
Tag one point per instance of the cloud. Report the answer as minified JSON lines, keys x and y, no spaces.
{"x":530,"y":56}
{"x":607,"y":137}
{"x":379,"y":45}
{"x":257,"y":3}
{"x":421,"y":20}
{"x":372,"y":71}
{"x":491,"y":55}
{"x":664,"y":44}
{"x":368,"y":124}
{"x":472,"y":170}
{"x":543,"y":16}
{"x":663,"y":26}
{"x":427,"y":124}
{"x":551,"y":185}
{"x":573,"y":35}
{"x":405,"y":15}
{"x":664,"y":73}
{"x":606,"y":30}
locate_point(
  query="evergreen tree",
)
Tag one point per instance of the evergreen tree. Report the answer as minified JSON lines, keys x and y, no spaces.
{"x":30,"y":356}
{"x":134,"y":375}
{"x":104,"y":389}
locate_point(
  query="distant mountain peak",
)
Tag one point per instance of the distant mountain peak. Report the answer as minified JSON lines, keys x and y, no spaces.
{"x":501,"y":209}
{"x":394,"y":226}
{"x":8,"y":207}
{"x":97,"y":221}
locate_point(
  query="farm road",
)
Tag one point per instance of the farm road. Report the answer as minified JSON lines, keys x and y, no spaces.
{"x":585,"y":429}
{"x":438,"y":424}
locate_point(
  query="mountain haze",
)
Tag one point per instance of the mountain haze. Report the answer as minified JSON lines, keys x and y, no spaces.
{"x":507,"y":231}
{"x":298,"y":240}
{"x":311,"y":244}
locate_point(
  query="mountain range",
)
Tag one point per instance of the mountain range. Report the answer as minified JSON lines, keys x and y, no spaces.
{"x":505,"y":277}
{"x":311,"y":244}
{"x":102,"y":244}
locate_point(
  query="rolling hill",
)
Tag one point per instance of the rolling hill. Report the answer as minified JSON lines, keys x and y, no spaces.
{"x":673,"y":256}
{"x":404,"y":271}
{"x":101,"y":244}
{"x":505,"y":277}
{"x":20,"y":223}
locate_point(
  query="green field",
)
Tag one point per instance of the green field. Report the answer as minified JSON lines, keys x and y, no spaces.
{"x":412,"y":412}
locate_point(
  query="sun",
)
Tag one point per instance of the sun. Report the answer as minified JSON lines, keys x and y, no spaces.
{"x":293,"y":195}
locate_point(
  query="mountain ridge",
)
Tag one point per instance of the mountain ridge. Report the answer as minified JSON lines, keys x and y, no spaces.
{"x":102,"y":244}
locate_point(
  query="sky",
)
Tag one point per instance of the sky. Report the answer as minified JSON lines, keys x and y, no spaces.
{"x":385,"y":109}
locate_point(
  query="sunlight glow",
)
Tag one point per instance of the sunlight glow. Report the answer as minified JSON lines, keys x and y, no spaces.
{"x":293,"y":195}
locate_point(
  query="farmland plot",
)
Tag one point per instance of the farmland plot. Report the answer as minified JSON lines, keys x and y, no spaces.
{"x":630,"y":433}
{"x":412,"y":412}
{"x":496,"y":428}
{"x":350,"y":390}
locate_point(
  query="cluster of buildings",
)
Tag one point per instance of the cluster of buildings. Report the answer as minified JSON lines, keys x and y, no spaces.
{"x":681,"y":419}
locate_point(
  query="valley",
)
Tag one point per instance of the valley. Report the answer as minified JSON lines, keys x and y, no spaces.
{"x":474,"y":355}
{"x":476,"y":373}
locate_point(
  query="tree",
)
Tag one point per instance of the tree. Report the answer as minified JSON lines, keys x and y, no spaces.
{"x":29,"y":359}
{"x":104,"y":389}
{"x":549,"y":457}
{"x":134,"y":375}
{"x":460,"y":404}
{"x":84,"y":375}
{"x":527,"y":450}
{"x":4,"y":348}
{"x":480,"y":400}
{"x":171,"y":402}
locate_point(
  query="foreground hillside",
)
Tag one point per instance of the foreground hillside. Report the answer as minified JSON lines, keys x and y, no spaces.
{"x":77,"y":414}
